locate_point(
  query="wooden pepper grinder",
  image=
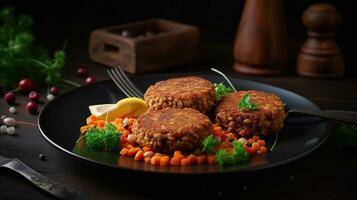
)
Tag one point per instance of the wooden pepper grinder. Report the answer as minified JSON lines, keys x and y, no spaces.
{"x":319,"y":56}
{"x":261,"y":41}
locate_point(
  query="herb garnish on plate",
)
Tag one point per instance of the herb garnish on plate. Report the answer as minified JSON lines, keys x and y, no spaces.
{"x":238,"y":155}
{"x":246,"y":104}
{"x":209,"y":143}
{"x":221,"y":90}
{"x":103,"y":138}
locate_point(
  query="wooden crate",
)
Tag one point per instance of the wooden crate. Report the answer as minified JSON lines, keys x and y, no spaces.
{"x":144,"y":46}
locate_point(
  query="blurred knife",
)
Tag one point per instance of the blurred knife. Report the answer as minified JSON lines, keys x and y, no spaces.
{"x":52,"y":187}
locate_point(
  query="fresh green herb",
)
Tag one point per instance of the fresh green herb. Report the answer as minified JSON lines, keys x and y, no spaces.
{"x":246,"y":104}
{"x":221,"y":90}
{"x":111,"y":137}
{"x":223,"y":158}
{"x":239,"y":155}
{"x":209,"y":143}
{"x":94,"y":138}
{"x":107,"y":137}
{"x":20,"y":58}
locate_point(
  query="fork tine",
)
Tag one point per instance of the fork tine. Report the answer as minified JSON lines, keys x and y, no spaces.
{"x":123,"y":83}
{"x":126,"y":84}
{"x":131,"y":84}
{"x":118,"y":84}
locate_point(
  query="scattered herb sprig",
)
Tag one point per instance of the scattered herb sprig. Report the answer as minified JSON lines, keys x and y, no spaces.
{"x":103,"y":138}
{"x":20,"y":58}
{"x":238,"y":155}
{"x":209,"y":143}
{"x":221,"y":90}
{"x":246,"y":104}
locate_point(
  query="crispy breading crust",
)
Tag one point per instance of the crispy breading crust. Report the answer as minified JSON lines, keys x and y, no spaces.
{"x":269,"y":118}
{"x":184,"y":92}
{"x":171,"y":129}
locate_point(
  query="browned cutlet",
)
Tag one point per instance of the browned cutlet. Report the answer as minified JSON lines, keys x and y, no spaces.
{"x":268,"y":118}
{"x":171,"y":129}
{"x":184,"y":92}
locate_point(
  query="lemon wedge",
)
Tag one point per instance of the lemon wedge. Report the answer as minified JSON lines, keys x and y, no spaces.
{"x":128,"y":107}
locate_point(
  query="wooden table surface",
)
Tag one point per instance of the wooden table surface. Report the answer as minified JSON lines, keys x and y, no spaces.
{"x":327,"y":173}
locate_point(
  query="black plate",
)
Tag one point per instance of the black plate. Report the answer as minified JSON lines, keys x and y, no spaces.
{"x":61,"y":119}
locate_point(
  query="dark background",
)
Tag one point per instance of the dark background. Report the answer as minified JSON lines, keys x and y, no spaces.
{"x":57,"y":21}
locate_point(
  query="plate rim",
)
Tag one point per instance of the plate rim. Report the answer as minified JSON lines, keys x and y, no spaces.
{"x":233,"y":170}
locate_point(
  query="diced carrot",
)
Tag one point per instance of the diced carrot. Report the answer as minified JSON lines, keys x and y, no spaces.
{"x":139,"y":155}
{"x":225,"y":145}
{"x":211,"y":159}
{"x":155,"y":160}
{"x":201,"y":159}
{"x":147,"y":149}
{"x":249,"y":150}
{"x":176,"y":153}
{"x":175,"y":161}
{"x":124,"y":151}
{"x":261,"y":142}
{"x":101,"y":123}
{"x":255,"y":146}
{"x":185,"y":162}
{"x":147,"y":160}
{"x":158,"y":154}
{"x":91,"y":119}
{"x":217,"y":130}
{"x":133,"y":151}
{"x":118,"y":120}
{"x":123,"y":139}
{"x":165,"y":161}
{"x":131,"y":121}
{"x":126,"y":132}
{"x":129,"y":146}
{"x":262,"y":149}
{"x":83,"y":129}
{"x":255,"y":138}
{"x":193,"y":159}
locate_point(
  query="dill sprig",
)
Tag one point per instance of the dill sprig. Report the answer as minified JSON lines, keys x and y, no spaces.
{"x":246,"y":104}
{"x":238,"y":155}
{"x":209,"y":143}
{"x":103,"y":138}
{"x":221,"y":90}
{"x":20,"y":58}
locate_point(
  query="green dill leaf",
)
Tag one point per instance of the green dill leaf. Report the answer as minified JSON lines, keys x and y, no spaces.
{"x":111,"y":137}
{"x":94,"y":138}
{"x":223,"y":158}
{"x":18,"y":52}
{"x":221,"y":90}
{"x":239,"y":155}
{"x":246,"y":104}
{"x":103,"y":138}
{"x":209,"y":143}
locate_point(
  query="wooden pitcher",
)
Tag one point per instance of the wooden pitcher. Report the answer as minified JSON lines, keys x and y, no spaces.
{"x":261,"y":41}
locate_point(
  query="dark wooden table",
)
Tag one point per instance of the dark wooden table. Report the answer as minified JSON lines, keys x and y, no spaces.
{"x":327,"y":173}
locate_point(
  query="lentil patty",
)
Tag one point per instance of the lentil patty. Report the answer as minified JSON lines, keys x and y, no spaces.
{"x":268,"y":118}
{"x":171,"y":129}
{"x":184,"y":92}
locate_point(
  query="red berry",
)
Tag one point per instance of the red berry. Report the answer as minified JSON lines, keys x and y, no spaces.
{"x":32,"y":107}
{"x":54,"y":90}
{"x":82,"y":71}
{"x":10,"y":97}
{"x":25,"y":85}
{"x":90,"y":80}
{"x":34,"y":96}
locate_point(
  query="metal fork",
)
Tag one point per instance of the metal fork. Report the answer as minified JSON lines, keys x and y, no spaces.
{"x":124,"y":83}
